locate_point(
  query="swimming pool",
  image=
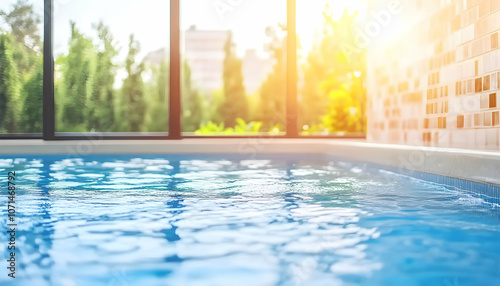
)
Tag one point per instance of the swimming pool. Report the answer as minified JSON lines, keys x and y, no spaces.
{"x":226,"y":220}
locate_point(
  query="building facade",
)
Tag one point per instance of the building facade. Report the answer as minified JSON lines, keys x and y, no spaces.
{"x":204,"y":51}
{"x":434,"y":72}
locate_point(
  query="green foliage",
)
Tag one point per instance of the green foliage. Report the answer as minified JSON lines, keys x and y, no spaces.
{"x":212,"y":128}
{"x":89,"y":98}
{"x":77,"y":83}
{"x":234,"y":105}
{"x":157,"y":103}
{"x":133,"y":90}
{"x":21,"y":67}
{"x":85,"y":92}
{"x":273,"y":90}
{"x":241,"y":128}
{"x":333,"y":95}
{"x":100,"y":113}
{"x":23,"y":23}
{"x":212,"y":111}
{"x":192,"y":112}
{"x":32,"y":114}
{"x":9,"y":88}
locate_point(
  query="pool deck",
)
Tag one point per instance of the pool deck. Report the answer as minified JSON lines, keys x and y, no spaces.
{"x":470,"y":165}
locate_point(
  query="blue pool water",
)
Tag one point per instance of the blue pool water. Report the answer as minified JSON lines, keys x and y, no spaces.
{"x":204,"y":220}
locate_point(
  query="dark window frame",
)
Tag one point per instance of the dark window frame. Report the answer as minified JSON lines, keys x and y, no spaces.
{"x":175,"y":108}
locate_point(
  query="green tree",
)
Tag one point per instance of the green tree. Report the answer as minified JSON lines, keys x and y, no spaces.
{"x":273,"y":90}
{"x":192,"y":105}
{"x":100,"y":107}
{"x":77,"y":74}
{"x":314,"y":103}
{"x":24,"y":24}
{"x":333,"y":96}
{"x":9,"y":88}
{"x":133,"y":89}
{"x":32,"y":114}
{"x":234,"y":105}
{"x":157,"y":99}
{"x":23,"y":27}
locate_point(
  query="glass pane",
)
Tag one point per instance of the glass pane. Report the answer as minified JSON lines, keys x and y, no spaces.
{"x":21,"y":66}
{"x":332,"y":67}
{"x":234,"y":67}
{"x":112,"y":65}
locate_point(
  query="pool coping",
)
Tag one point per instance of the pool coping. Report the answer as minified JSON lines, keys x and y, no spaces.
{"x":470,"y":165}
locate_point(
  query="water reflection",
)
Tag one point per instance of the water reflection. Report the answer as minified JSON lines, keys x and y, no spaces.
{"x":172,"y":221}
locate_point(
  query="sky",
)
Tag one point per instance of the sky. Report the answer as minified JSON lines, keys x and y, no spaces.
{"x":149,"y":21}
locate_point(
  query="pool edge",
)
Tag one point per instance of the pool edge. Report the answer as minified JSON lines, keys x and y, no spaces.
{"x":468,"y":165}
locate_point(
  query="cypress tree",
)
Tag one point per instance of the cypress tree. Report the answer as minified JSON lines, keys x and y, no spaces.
{"x":273,"y":90}
{"x":9,"y":88}
{"x":133,"y":89}
{"x":157,"y":104}
{"x":77,"y":83}
{"x":192,"y":105}
{"x":100,"y":107}
{"x":235,"y":102}
{"x":32,"y":115}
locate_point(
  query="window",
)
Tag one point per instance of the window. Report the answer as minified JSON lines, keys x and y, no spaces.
{"x":494,"y":41}
{"x":493,"y":81}
{"x":460,"y":121}
{"x":498,"y":80}
{"x":21,"y":67}
{"x":427,"y":137}
{"x":493,"y":100}
{"x":234,"y":67}
{"x":440,"y":123}
{"x":469,"y":121}
{"x":484,"y":101}
{"x":479,"y":84}
{"x":486,"y":83}
{"x":332,"y":67}
{"x":487,"y":119}
{"x":496,"y":118}
{"x":111,"y":71}
{"x":478,"y":120}
{"x":112,"y":66}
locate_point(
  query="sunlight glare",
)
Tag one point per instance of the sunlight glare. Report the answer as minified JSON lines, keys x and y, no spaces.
{"x":310,"y":18}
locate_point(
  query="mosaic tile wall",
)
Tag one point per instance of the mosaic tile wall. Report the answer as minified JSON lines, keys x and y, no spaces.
{"x":434,"y":72}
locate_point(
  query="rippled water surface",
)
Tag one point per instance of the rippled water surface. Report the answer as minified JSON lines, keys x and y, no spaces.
{"x":186,"y":220}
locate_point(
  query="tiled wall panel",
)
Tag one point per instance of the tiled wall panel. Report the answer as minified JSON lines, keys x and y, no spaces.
{"x":446,"y":57}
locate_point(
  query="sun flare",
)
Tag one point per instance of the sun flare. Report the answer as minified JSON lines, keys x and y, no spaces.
{"x":310,"y":19}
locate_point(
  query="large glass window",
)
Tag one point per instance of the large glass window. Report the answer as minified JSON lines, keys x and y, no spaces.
{"x":21,"y":66}
{"x":332,"y":67}
{"x":234,"y":67}
{"x":112,"y":65}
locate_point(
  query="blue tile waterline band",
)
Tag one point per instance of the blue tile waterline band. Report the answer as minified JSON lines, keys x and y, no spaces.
{"x":488,"y":192}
